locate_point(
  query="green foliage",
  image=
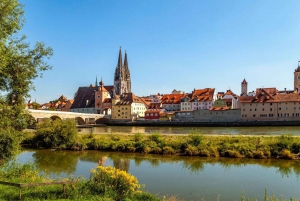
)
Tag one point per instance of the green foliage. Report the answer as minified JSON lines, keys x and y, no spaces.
{"x":156,"y":137}
{"x":56,"y":134}
{"x":9,"y":143}
{"x":19,"y":63}
{"x":196,"y":139}
{"x":137,"y":137}
{"x":117,"y":183}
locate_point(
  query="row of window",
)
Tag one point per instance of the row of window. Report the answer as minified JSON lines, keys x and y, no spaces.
{"x":272,"y":115}
{"x":271,"y":109}
{"x":151,"y":114}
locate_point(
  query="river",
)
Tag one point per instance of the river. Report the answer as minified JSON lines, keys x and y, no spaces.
{"x":259,"y":130}
{"x":189,"y":178}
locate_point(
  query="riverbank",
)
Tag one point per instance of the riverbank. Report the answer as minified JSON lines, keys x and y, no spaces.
{"x":284,"y":146}
{"x":204,"y":124}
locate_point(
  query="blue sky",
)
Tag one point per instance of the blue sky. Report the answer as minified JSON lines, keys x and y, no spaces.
{"x":171,"y":44}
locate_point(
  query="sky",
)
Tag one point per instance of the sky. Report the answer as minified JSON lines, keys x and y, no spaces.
{"x":170,"y":44}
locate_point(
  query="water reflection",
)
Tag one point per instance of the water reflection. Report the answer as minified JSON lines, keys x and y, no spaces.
{"x":192,"y":178}
{"x":57,"y":162}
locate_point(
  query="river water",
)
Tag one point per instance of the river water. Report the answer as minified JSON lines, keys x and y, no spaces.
{"x":189,"y":178}
{"x":258,"y":130}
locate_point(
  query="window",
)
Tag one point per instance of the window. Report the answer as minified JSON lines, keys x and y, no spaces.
{"x":270,"y":103}
{"x":254,"y":115}
{"x":270,"y":109}
{"x":279,"y":108}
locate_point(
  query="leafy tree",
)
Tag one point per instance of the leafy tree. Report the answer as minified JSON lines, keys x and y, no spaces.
{"x":20,"y":64}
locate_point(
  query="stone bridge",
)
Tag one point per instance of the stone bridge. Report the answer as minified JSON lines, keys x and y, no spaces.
{"x":81,"y":118}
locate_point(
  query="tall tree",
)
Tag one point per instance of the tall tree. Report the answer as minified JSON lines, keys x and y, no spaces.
{"x":20,"y":63}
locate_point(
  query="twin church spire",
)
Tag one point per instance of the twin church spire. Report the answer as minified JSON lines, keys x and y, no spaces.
{"x":122,"y":81}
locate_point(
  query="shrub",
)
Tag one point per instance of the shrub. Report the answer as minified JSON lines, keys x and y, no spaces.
{"x":113,"y":181}
{"x":233,"y":154}
{"x":156,"y":137}
{"x":157,"y":150}
{"x":56,"y":134}
{"x":147,"y":150}
{"x":138,"y":137}
{"x":9,"y":143}
{"x":196,"y":139}
{"x":191,"y":150}
{"x":286,"y":154}
{"x":168,"y":150}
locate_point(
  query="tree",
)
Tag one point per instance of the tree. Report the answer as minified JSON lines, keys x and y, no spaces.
{"x":20,"y":64}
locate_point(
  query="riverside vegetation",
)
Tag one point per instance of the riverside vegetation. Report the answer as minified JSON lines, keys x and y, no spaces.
{"x":108,"y":183}
{"x":63,"y":135}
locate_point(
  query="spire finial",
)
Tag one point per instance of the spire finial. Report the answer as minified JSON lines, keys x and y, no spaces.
{"x":120,"y":58}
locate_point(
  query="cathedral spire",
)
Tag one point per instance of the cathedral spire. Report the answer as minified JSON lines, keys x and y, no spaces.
{"x":126,"y":61}
{"x":120,"y":59}
{"x":96,"y":83}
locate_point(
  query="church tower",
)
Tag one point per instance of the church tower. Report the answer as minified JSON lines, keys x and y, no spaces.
{"x":297,"y":80}
{"x":244,"y":86}
{"x":122,"y":82}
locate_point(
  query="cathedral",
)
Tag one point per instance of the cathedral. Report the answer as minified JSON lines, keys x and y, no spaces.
{"x":122,"y":82}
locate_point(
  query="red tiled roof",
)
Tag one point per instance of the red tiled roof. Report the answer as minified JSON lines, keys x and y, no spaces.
{"x":219,"y":108}
{"x":206,"y":94}
{"x":171,"y":98}
{"x":270,"y":95}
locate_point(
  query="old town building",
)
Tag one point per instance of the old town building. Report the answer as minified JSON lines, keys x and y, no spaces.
{"x":127,"y":106}
{"x":171,"y":102}
{"x":202,"y":99}
{"x":269,"y":104}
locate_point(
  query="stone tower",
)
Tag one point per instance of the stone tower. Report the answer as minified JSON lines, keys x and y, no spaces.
{"x":100,"y":95}
{"x":244,"y":87}
{"x":297,"y":80}
{"x":122,"y":82}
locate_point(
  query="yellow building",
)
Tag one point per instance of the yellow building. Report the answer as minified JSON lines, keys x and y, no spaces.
{"x":127,"y":106}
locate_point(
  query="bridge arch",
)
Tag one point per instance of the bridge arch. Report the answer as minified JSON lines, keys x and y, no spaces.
{"x":79,"y":120}
{"x":102,"y":120}
{"x":54,"y":117}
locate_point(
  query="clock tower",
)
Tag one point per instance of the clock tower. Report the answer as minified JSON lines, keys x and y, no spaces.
{"x":297,"y":79}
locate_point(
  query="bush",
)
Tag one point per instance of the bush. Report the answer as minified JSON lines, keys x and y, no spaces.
{"x":138,"y":137}
{"x":9,"y":143}
{"x":196,"y":139}
{"x":117,"y":183}
{"x":56,"y":134}
{"x":156,"y":137}
{"x":168,"y":150}
{"x":286,"y":154}
{"x":191,"y":150}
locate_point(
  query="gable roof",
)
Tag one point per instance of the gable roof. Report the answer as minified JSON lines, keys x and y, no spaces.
{"x":128,"y":99}
{"x":270,"y":95}
{"x":171,"y":98}
{"x":206,"y":94}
